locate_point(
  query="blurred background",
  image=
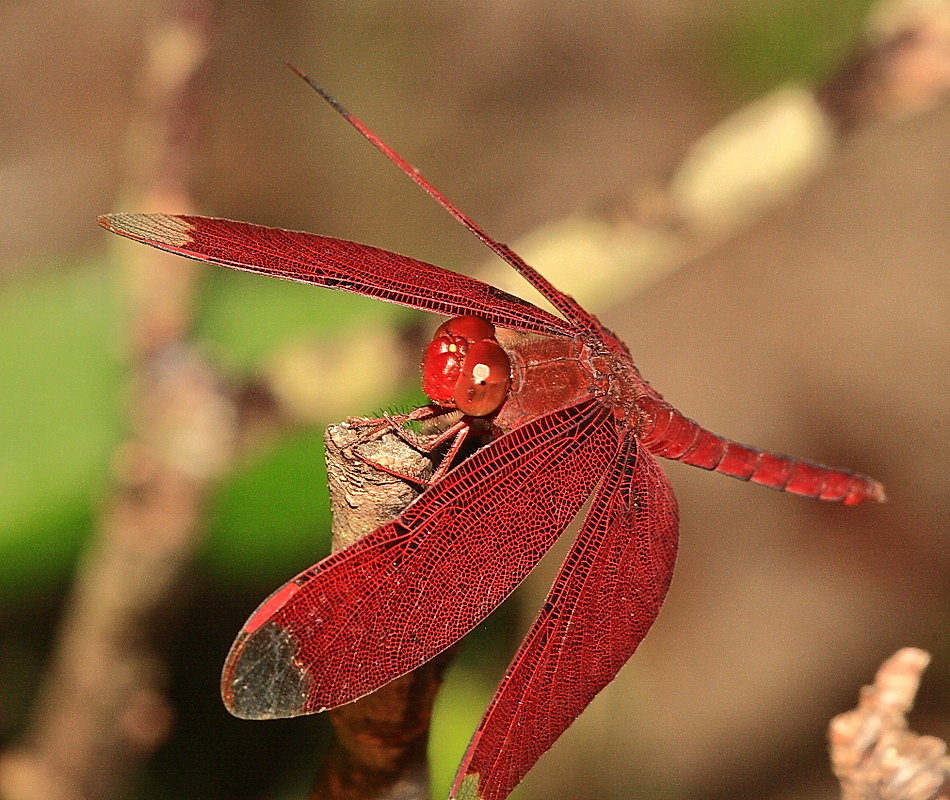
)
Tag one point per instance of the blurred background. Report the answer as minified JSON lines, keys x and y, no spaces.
{"x":804,"y":313}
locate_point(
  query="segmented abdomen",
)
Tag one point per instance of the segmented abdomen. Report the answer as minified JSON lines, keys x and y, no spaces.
{"x":666,"y":432}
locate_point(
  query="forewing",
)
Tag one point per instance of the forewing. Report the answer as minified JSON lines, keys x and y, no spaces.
{"x":334,"y":264}
{"x":399,"y":596}
{"x":604,"y":601}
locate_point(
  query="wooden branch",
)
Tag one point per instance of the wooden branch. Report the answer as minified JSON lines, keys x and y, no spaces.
{"x":379,"y":751}
{"x":874,"y":754}
{"x":902,"y":67}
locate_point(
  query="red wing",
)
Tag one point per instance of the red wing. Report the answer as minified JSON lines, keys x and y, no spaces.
{"x":334,"y":264}
{"x":399,"y":596}
{"x":604,"y":601}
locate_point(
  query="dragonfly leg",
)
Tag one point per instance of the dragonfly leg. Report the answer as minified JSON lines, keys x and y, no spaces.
{"x":458,"y":433}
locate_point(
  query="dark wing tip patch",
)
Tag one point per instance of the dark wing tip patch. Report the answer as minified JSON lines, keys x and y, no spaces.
{"x":262,"y":678}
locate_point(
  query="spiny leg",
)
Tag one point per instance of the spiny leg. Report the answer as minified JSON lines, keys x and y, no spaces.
{"x":458,"y":433}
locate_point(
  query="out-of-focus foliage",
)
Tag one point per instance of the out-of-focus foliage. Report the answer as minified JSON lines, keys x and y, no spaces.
{"x":61,"y":413}
{"x":62,"y":401}
{"x":244,"y":318}
{"x":765,"y":44}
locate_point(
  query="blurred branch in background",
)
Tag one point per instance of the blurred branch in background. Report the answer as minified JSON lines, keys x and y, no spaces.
{"x":754,"y":160}
{"x":101,"y":709}
{"x":873,"y":753}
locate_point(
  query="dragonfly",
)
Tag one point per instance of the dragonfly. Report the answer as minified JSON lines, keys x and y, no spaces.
{"x":569,"y":419}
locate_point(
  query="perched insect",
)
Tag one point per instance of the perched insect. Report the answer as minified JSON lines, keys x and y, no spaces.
{"x":570,"y":417}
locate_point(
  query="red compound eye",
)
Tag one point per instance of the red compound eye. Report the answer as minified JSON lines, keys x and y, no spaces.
{"x":464,"y":367}
{"x":483,"y":383}
{"x":471,"y":329}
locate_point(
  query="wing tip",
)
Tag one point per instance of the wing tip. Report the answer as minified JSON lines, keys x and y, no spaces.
{"x":467,"y":787}
{"x":170,"y":230}
{"x":262,"y":678}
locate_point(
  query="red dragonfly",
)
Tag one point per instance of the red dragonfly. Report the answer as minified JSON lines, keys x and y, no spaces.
{"x":570,"y":417}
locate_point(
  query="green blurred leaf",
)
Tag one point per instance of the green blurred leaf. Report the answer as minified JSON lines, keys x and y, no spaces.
{"x":771,"y":43}
{"x":272,"y":514}
{"x":271,"y":517}
{"x":459,"y":706}
{"x":247,"y":315}
{"x":60,"y":414}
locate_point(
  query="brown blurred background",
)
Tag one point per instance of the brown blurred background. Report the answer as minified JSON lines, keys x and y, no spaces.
{"x":816,"y":328}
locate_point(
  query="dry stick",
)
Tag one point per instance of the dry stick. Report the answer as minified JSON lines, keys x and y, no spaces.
{"x":101,"y":709}
{"x":901,"y":68}
{"x":874,"y":754}
{"x":379,"y":750}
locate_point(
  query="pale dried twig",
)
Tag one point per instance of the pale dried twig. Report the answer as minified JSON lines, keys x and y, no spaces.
{"x":754,"y":160}
{"x":874,"y":754}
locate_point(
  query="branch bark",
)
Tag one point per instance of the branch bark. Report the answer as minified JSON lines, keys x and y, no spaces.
{"x":379,"y":749}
